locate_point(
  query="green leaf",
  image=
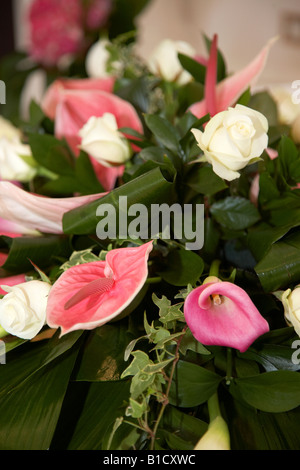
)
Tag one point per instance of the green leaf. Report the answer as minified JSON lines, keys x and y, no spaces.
{"x":187,"y":427}
{"x":29,"y":412}
{"x":149,"y":188}
{"x":192,"y":385}
{"x":183,"y":267}
{"x":280,"y":267}
{"x":273,"y":392}
{"x":42,"y":251}
{"x":197,"y":70}
{"x":51,"y":153}
{"x":235,"y":213}
{"x":163,"y":130}
{"x":264,"y":103}
{"x":203,"y":180}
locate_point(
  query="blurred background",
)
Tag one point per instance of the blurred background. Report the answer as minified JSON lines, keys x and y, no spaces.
{"x":243,"y":28}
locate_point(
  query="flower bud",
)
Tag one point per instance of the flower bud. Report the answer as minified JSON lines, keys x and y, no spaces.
{"x":102,"y":141}
{"x":23,"y":308}
{"x":216,"y":437}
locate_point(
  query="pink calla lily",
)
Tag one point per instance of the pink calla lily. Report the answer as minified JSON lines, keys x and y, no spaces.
{"x":222,"y":314}
{"x":218,"y":97}
{"x":37,"y":213}
{"x":88,"y":295}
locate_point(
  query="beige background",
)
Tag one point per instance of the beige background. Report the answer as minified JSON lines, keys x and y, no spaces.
{"x":243,"y":28}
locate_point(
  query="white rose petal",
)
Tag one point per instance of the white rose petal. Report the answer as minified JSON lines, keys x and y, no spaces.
{"x":233,"y":139}
{"x":291,"y":303}
{"x":102,"y":141}
{"x":164,"y":61}
{"x":23,"y":308}
{"x":12,"y":165}
{"x":8,"y":130}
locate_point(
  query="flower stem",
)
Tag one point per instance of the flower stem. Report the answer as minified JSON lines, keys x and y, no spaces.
{"x":214,"y":268}
{"x":153,"y":280}
{"x":213,"y":407}
{"x":229,"y":366}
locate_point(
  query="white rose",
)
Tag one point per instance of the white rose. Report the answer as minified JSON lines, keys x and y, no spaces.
{"x":23,"y":308}
{"x":164,"y":61}
{"x":102,"y":141}
{"x":233,"y":139}
{"x":12,"y":165}
{"x":291,"y":303}
{"x":8,"y":130}
{"x":97,"y":60}
{"x":287,"y":109}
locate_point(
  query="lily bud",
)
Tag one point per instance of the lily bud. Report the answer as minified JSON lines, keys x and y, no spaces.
{"x":216,"y":437}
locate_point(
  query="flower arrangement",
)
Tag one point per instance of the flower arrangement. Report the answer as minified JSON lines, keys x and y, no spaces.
{"x":150,"y":258}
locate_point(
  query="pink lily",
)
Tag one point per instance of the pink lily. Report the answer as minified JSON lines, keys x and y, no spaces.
{"x":88,"y":295}
{"x":222,"y":314}
{"x":73,"y":111}
{"x":37,"y":213}
{"x":218,"y":97}
{"x":59,"y":86}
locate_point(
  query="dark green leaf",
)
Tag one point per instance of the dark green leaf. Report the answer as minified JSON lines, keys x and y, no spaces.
{"x":197,"y":70}
{"x":203,"y":180}
{"x":183,"y":267}
{"x":51,"y":153}
{"x":163,"y":130}
{"x":192,"y":385}
{"x":235,"y":213}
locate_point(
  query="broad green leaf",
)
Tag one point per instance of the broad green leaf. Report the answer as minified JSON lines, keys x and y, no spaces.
{"x":163,"y":130}
{"x":51,"y":153}
{"x":30,"y":412}
{"x":203,"y":180}
{"x":235,"y":213}
{"x":103,"y":405}
{"x":272,"y":392}
{"x":264,"y":103}
{"x":149,"y":188}
{"x":183,"y":267}
{"x":197,"y":70}
{"x":192,"y":385}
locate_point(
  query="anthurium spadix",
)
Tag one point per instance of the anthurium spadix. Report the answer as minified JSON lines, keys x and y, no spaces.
{"x":222,"y":314}
{"x":88,"y":295}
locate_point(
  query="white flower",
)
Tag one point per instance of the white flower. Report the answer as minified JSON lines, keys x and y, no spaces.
{"x":291,"y":303}
{"x":164,"y":61}
{"x":286,"y":108}
{"x":97,"y":60}
{"x":23,"y":308}
{"x":233,"y":139}
{"x":216,"y":437}
{"x":8,"y":130}
{"x":12,"y":165}
{"x":102,"y":141}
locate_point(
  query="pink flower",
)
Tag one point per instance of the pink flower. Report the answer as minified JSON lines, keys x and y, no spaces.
{"x":34,"y":212}
{"x":222,"y":314}
{"x":72,"y":104}
{"x":55,"y":30}
{"x":11,"y":281}
{"x":88,"y":295}
{"x":98,"y":13}
{"x":218,"y":97}
{"x":56,"y":90}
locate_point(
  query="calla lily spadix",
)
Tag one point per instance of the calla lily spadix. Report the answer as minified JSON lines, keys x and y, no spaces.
{"x":222,"y":314}
{"x":88,"y":295}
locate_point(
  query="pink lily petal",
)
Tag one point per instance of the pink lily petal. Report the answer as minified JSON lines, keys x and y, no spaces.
{"x":211,"y":78}
{"x":230,"y":89}
{"x":11,"y":281}
{"x":57,"y":88}
{"x":88,"y":295}
{"x":76,"y":107}
{"x":222,"y":314}
{"x":35,"y":212}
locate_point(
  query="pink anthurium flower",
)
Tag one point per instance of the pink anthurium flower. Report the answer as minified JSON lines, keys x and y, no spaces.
{"x":35,"y":212}
{"x":218,"y":97}
{"x":88,"y":295}
{"x":222,"y":314}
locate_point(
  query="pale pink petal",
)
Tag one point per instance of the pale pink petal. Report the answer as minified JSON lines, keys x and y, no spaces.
{"x":57,"y":88}
{"x":230,"y":89}
{"x":232,"y":321}
{"x":11,"y":281}
{"x":37,"y":212}
{"x":211,"y":78}
{"x":88,"y":295}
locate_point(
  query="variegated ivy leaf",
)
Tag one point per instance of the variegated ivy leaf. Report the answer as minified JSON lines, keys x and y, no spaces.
{"x":80,"y":257}
{"x":168,"y":313}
